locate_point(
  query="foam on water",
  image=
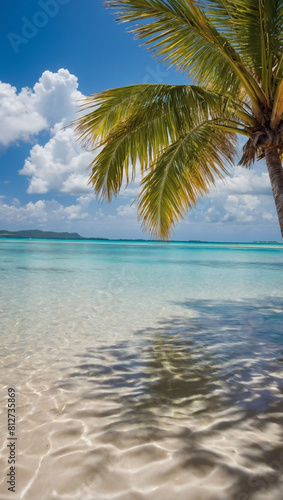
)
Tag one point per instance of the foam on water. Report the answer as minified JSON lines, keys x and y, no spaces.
{"x":143,"y":370}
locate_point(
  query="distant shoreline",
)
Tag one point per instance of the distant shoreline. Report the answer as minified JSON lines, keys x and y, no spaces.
{"x":49,"y":235}
{"x":37,"y":234}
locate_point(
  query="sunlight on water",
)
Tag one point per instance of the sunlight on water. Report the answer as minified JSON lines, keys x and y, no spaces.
{"x":143,"y":370}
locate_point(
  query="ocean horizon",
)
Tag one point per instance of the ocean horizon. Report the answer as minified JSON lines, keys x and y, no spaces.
{"x":138,"y":240}
{"x":143,"y":370}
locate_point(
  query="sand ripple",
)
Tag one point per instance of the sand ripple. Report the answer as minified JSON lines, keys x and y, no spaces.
{"x":191,"y":409}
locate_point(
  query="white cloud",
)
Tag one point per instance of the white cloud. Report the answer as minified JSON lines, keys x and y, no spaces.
{"x":268,"y":216}
{"x":127,"y":210}
{"x":42,"y":212}
{"x":59,"y":165}
{"x":244,"y":181}
{"x":84,"y":201}
{"x":52,"y":104}
{"x":53,"y":99}
{"x":129,"y":192}
{"x":76,"y":184}
{"x":242,"y":199}
{"x":56,"y":96}
{"x":241,"y":208}
{"x":19,"y":117}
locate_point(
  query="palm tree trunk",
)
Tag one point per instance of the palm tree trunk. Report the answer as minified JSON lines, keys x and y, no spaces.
{"x":275,"y":171}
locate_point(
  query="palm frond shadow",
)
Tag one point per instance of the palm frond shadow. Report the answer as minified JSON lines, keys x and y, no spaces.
{"x":211,"y":384}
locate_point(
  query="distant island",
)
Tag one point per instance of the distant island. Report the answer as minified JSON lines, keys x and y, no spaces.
{"x":36,"y":233}
{"x":265,"y":242}
{"x":52,"y":235}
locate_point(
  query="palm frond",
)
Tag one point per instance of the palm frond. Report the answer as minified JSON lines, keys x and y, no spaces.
{"x":133,"y":125}
{"x":181,"y":33}
{"x":183,"y":173}
{"x":277,"y":111}
{"x":254,"y":29}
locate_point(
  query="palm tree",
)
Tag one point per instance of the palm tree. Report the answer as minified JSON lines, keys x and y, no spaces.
{"x":182,"y":138}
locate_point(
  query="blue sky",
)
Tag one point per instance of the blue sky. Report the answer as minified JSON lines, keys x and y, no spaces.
{"x":53,"y":53}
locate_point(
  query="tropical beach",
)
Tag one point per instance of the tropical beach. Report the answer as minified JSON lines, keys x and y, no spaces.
{"x":141,"y":225}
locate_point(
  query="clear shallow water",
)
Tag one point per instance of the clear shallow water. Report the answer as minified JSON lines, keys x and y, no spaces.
{"x":143,"y":370}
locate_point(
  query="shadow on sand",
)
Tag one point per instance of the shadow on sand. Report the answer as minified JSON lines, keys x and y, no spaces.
{"x":211,"y":384}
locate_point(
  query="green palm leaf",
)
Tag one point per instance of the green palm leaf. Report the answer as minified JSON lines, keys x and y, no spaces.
{"x":174,"y":185}
{"x":134,"y":125}
{"x":181,"y":33}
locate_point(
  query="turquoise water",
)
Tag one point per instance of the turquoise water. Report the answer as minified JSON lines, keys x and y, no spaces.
{"x":144,"y":370}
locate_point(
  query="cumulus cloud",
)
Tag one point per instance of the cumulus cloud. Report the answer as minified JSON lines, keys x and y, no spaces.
{"x":26,"y":113}
{"x":241,"y":208}
{"x":19,"y":117}
{"x":244,"y":198}
{"x":59,"y":165}
{"x":50,"y":105}
{"x":245,"y":181}
{"x":56,"y":96}
{"x":42,"y":212}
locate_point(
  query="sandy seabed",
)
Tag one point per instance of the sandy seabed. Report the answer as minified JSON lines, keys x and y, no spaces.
{"x":173,"y":413}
